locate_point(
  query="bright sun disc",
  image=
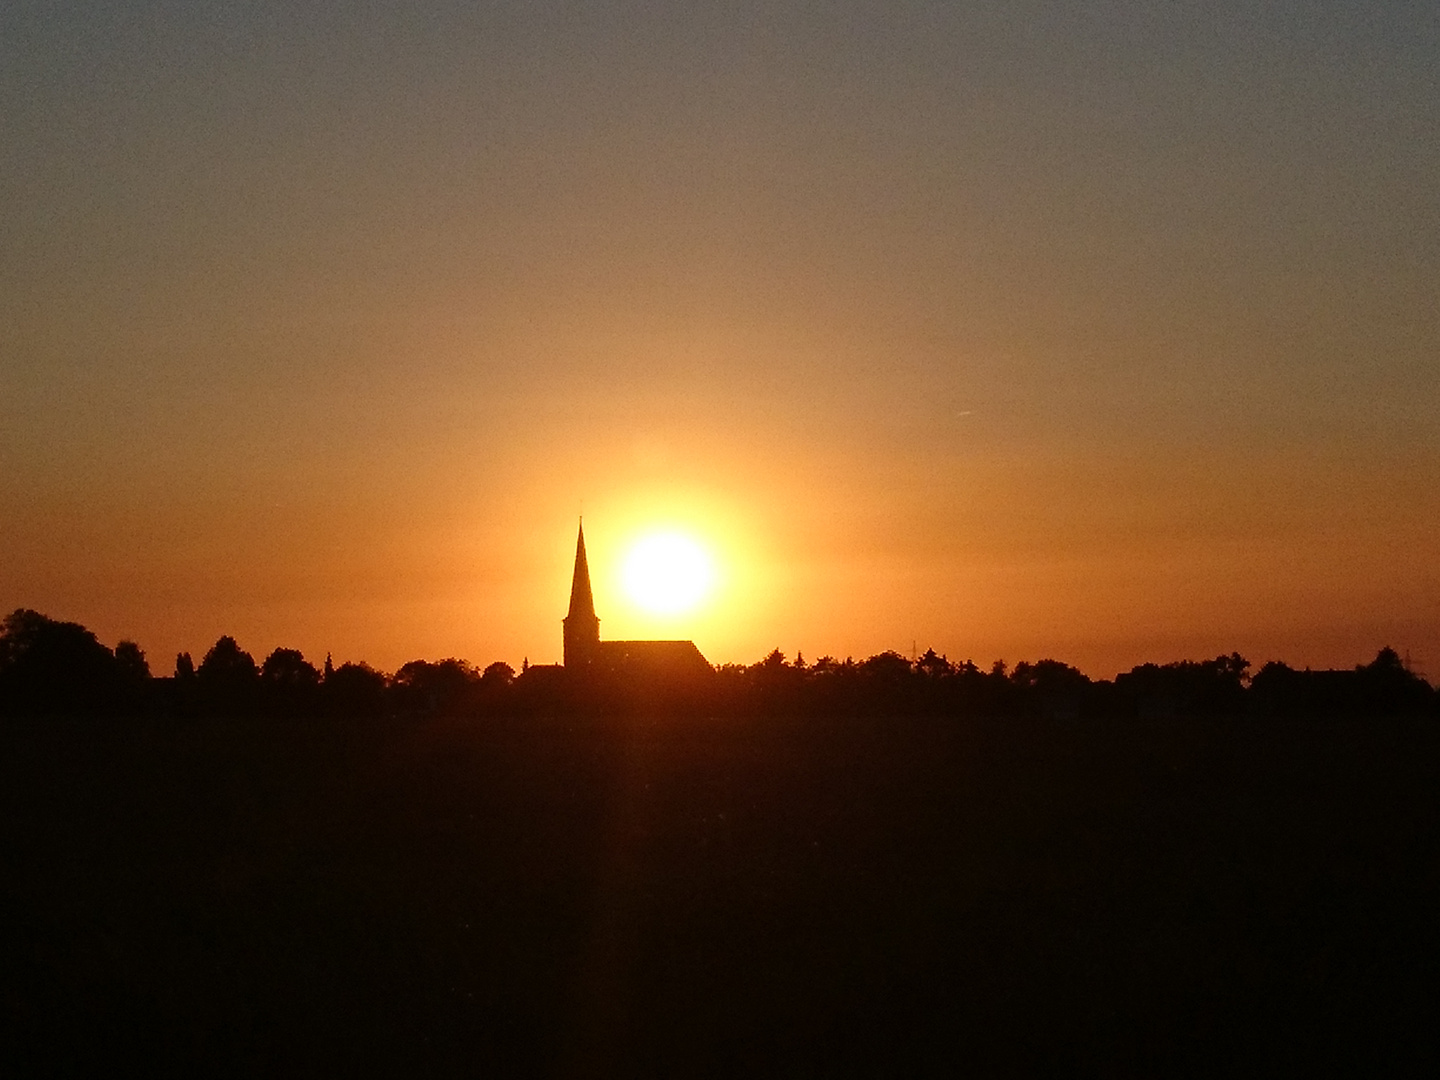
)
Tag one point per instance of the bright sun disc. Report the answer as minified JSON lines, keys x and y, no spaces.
{"x":667,"y":573}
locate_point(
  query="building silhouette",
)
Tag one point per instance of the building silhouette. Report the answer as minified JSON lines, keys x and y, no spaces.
{"x":581,"y":624}
{"x":654,"y":661}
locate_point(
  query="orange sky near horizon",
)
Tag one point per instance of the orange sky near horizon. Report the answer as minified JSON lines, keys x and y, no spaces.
{"x":1012,"y":332}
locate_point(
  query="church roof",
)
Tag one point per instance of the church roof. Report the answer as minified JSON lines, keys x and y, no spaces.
{"x":673,"y":657}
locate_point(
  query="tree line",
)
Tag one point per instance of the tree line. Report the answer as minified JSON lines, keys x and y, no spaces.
{"x":52,"y":667}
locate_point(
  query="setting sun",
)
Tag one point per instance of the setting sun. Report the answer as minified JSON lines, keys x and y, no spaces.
{"x":668,"y":573}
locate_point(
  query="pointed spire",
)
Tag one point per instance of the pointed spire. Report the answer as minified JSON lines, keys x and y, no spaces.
{"x":582,"y":601}
{"x":582,"y":628}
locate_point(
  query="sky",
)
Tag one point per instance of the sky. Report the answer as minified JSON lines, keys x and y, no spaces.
{"x":1105,"y":332}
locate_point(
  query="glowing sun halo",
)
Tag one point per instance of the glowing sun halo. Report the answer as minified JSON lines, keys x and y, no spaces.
{"x":667,"y":573}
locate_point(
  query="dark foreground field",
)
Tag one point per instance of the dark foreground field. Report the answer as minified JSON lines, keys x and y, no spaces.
{"x":786,"y":897}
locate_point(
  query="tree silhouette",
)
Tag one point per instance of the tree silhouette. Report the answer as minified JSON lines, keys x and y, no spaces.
{"x":1391,"y":686}
{"x":1053,"y":688}
{"x":132,"y":673}
{"x":131,"y":663}
{"x":50,"y":666}
{"x":354,"y":690}
{"x":498,"y":674}
{"x":289,"y":682}
{"x":288,"y":668}
{"x":228,"y":677}
{"x":424,"y":687}
{"x":932,"y":666}
{"x":888,"y":667}
{"x":1186,"y":687}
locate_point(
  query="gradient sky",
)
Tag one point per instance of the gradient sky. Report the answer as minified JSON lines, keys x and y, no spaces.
{"x":1108,"y":332}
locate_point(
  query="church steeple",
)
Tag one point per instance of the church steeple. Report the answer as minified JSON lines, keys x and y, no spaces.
{"x":582,"y":628}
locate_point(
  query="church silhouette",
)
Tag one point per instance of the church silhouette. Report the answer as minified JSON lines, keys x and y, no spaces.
{"x":586,"y":654}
